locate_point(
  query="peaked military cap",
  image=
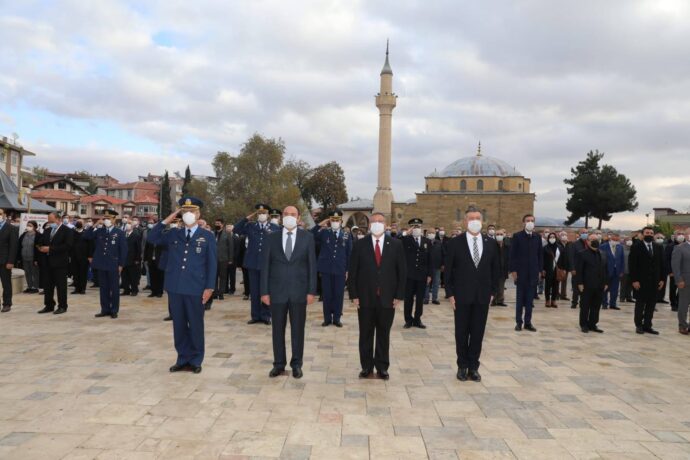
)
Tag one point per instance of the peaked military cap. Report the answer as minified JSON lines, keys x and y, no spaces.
{"x":190,"y":202}
{"x":335,"y":215}
{"x":262,"y":207}
{"x":276,"y":212}
{"x":415,"y":221}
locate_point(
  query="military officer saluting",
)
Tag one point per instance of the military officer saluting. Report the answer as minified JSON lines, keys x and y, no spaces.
{"x":256,"y":233}
{"x":334,"y":258}
{"x":190,"y":279}
{"x":109,"y":256}
{"x":419,"y":270}
{"x":275,"y":215}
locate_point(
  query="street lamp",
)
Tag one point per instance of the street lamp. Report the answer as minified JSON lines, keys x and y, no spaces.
{"x":28,"y":199}
{"x":647,"y":215}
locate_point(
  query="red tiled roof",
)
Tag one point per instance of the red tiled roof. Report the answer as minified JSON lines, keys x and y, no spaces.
{"x":109,"y":199}
{"x":146,"y":199}
{"x":54,"y":195}
{"x":134,"y":185}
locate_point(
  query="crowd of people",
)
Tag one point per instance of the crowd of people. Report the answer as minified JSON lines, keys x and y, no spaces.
{"x":286,"y":266}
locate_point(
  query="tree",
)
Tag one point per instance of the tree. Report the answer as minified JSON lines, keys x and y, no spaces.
{"x":300,"y":171}
{"x":663,"y":227}
{"x":598,"y":191}
{"x":40,"y":172}
{"x":326,"y":186}
{"x":92,"y":188}
{"x":186,"y":182}
{"x":201,"y":189}
{"x":166,"y":205}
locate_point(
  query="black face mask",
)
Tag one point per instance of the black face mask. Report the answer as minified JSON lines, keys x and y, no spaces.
{"x":594,"y":244}
{"x":218,"y":227}
{"x":79,"y":225}
{"x":648,"y":238}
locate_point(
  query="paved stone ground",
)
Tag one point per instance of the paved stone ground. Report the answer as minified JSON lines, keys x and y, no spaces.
{"x":76,"y":387}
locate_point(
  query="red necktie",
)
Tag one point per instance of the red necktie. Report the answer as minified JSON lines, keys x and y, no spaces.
{"x":377,"y":253}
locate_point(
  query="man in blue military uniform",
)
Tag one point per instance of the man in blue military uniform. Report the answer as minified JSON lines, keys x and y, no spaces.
{"x":275,"y":216}
{"x":334,"y":258}
{"x":109,"y":256}
{"x":419,"y":270}
{"x":256,"y":233}
{"x":190,"y":279}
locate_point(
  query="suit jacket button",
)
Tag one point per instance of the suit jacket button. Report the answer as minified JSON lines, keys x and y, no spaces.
{"x":183,"y":267}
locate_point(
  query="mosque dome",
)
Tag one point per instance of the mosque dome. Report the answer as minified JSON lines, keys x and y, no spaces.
{"x":477,"y":165}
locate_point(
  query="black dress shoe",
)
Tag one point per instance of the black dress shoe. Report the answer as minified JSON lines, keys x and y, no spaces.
{"x":573,"y":306}
{"x":584,"y":329}
{"x":662,"y":301}
{"x":365,"y":373}
{"x":407,"y":325}
{"x":267,"y":322}
{"x":639,"y":330}
{"x":246,"y":297}
{"x":196,"y":369}
{"x":113,"y":315}
{"x":426,"y":302}
{"x":134,"y":293}
{"x":462,"y":375}
{"x":615,"y":308}
{"x":74,"y":292}
{"x":420,"y":324}
{"x":253,"y":321}
{"x":604,"y":307}
{"x":126,"y":293}
{"x":207,"y":307}
{"x":275,"y":372}
{"x":60,"y":311}
{"x":383,"y":375}
{"x":151,"y":295}
{"x":475,"y":376}
{"x":596,"y":329}
{"x":167,"y":318}
{"x":531,"y":328}
{"x":338,"y":324}
{"x":177,"y":368}
{"x":5,"y":309}
{"x":325,"y":324}
{"x":220,"y":297}
{"x":649,"y":330}
{"x":101,"y":315}
{"x":518,"y":327}
{"x":297,"y":373}
{"x":436,"y":302}
{"x":46,"y":310}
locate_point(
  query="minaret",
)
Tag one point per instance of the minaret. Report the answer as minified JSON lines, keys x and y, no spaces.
{"x":385,"y":101}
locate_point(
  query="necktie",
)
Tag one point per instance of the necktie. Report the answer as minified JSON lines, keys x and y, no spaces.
{"x":288,"y":246}
{"x":649,"y":248}
{"x":189,"y":235}
{"x":418,"y":242}
{"x":52,"y":232}
{"x":377,"y":254}
{"x":475,"y":252}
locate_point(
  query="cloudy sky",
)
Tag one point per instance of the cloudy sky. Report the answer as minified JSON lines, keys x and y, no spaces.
{"x":127,"y":87}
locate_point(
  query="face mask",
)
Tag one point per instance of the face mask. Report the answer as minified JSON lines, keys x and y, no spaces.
{"x":613,"y":242}
{"x":377,"y":228}
{"x":275,"y":221}
{"x":628,"y":243}
{"x":290,"y":222}
{"x":584,"y":236}
{"x":53,"y":225}
{"x":442,"y":233}
{"x":79,"y":225}
{"x":599,"y":237}
{"x":659,"y":241}
{"x":262,"y":218}
{"x":30,"y":229}
{"x":150,"y":226}
{"x":499,"y":238}
{"x":65,"y":221}
{"x":564,"y":238}
{"x":360,"y":236}
{"x":124,"y":220}
{"x":335,"y":225}
{"x":416,"y":232}
{"x":492,"y":232}
{"x":218,"y":227}
{"x":88,"y":225}
{"x":648,"y":238}
{"x":529,"y":226}
{"x":552,"y":240}
{"x":135,"y":223}
{"x":431,"y":236}
{"x":128,"y":227}
{"x":594,"y":244}
{"x":188,"y":218}
{"x":2,"y":218}
{"x":108,"y":223}
{"x":680,"y":238}
{"x":474,"y":226}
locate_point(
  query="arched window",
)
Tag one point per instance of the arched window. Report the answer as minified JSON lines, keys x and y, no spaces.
{"x":500,"y":185}
{"x":463,"y":184}
{"x":520,"y":186}
{"x":480,"y":184}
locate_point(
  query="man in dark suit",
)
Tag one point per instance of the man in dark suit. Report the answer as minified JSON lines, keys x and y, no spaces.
{"x":237,"y":253}
{"x":56,"y":246}
{"x":376,"y":283}
{"x":131,"y":272}
{"x":472,"y":272}
{"x":591,"y":278}
{"x":647,"y":275}
{"x":79,"y":259}
{"x":288,"y":285}
{"x":225,"y":248}
{"x":9,"y":238}
{"x":419,"y":271}
{"x":572,"y":249}
{"x":526,"y":267}
{"x":503,"y":263}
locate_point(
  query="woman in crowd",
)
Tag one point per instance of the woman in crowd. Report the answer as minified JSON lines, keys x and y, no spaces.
{"x":553,"y":261}
{"x":25,"y":256}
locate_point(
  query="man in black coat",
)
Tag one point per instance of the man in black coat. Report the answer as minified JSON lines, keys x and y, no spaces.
{"x":503,"y":263}
{"x":131,"y":272}
{"x":419,"y":270}
{"x":288,"y":285}
{"x":79,"y":259}
{"x":572,"y":249}
{"x":237,"y":253}
{"x":225,"y":248}
{"x":591,"y":278}
{"x":57,"y":244}
{"x":376,"y":283}
{"x":9,"y":238}
{"x":472,"y":272}
{"x":647,"y":276}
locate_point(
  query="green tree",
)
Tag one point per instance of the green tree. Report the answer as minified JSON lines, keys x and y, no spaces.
{"x":40,"y":172}
{"x":663,"y":227}
{"x":202,"y":189}
{"x":92,"y":188}
{"x":326,"y":186}
{"x":187,"y":180}
{"x":598,"y":191}
{"x":166,"y":205}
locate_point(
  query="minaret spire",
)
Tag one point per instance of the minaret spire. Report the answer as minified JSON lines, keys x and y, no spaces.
{"x":479,"y":149}
{"x":386,"y":65}
{"x":385,"y":101}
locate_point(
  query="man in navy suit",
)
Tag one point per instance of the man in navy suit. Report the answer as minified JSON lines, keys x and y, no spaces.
{"x":526,"y":267}
{"x":288,"y":285}
{"x":190,"y":279}
{"x":472,"y":268}
{"x":256,"y":234}
{"x":109,"y":258}
{"x":615,"y":259}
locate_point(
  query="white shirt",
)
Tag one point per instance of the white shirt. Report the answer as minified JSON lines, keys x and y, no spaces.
{"x":192,"y":230}
{"x":470,"y":243}
{"x":381,"y":239}
{"x":285,"y":236}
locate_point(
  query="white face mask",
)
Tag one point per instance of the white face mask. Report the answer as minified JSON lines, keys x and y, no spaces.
{"x":335,"y":225}
{"x":680,"y":238}
{"x":499,"y":238}
{"x":564,"y":238}
{"x":628,"y":243}
{"x":492,"y":232}
{"x":189,"y":218}
{"x":416,"y":232}
{"x":431,"y":236}
{"x":290,"y":222}
{"x":529,"y":226}
{"x":275,"y":221}
{"x":552,"y":240}
{"x":108,"y":223}
{"x":474,"y":226}
{"x":124,"y":220}
{"x":442,"y":233}
{"x":377,"y":228}
{"x":659,"y":241}
{"x":360,"y":236}
{"x":135,"y":223}
{"x":404,"y":233}
{"x":128,"y":227}
{"x":262,"y":218}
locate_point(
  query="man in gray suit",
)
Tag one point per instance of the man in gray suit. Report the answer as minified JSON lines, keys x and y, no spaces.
{"x":288,"y":285}
{"x":680,"y":266}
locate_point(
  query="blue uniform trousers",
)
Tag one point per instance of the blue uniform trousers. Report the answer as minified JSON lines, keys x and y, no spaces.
{"x":260,"y":312}
{"x":524,"y":301}
{"x":611,"y":294}
{"x":333,"y":293}
{"x":109,"y":282}
{"x":187,"y":313}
